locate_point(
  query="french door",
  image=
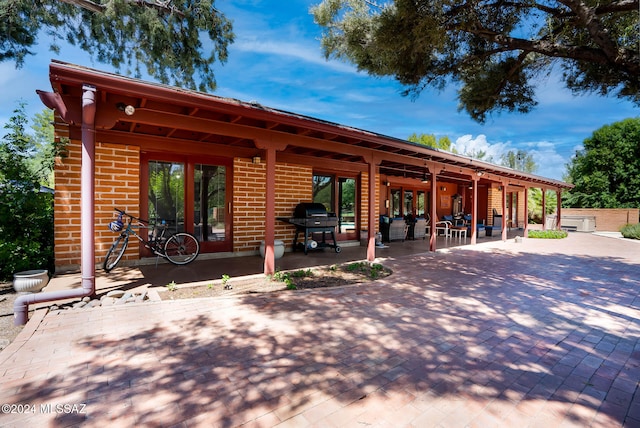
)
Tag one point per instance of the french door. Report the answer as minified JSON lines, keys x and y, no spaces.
{"x":190,"y":194}
{"x":340,"y":195}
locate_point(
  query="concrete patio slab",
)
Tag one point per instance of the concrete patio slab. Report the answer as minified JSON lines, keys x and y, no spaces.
{"x":537,"y":333}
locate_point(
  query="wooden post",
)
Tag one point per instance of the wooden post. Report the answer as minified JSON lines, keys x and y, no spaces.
{"x":371,"y":228}
{"x":526,"y":212}
{"x":474,"y":212}
{"x":270,"y":204}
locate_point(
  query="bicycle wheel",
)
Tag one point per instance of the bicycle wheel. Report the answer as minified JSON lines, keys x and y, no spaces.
{"x":181,"y":248}
{"x":115,"y":252}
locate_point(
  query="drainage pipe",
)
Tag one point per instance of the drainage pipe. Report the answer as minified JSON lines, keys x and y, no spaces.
{"x":87,"y":197}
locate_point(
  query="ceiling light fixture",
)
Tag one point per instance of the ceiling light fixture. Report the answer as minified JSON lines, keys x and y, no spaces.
{"x":128,"y":109}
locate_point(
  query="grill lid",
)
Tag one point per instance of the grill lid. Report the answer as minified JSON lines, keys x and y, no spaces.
{"x":310,"y":209}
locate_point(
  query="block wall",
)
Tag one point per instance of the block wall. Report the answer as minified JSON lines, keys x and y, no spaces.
{"x":117,"y":184}
{"x":521,"y":211}
{"x":293,"y":185}
{"x":364,"y":201}
{"x":607,"y":219}
{"x":494,"y":200}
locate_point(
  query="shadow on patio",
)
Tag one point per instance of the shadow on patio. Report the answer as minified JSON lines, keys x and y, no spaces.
{"x":456,"y":339}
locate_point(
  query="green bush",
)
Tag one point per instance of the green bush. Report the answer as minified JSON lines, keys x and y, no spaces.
{"x":548,"y":234}
{"x":26,"y":214}
{"x":26,"y":226}
{"x":631,"y":231}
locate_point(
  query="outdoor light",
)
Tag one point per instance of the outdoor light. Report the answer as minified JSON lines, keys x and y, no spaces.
{"x":256,"y":159}
{"x":425,"y":178}
{"x":444,"y":189}
{"x":128,"y":109}
{"x":480,"y":173}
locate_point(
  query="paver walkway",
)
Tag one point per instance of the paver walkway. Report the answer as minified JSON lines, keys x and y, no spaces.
{"x":540,"y":333}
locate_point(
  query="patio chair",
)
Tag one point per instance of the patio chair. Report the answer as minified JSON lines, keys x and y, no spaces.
{"x":480,"y":227}
{"x":398,"y":229}
{"x":445,"y":226}
{"x":420,"y":228}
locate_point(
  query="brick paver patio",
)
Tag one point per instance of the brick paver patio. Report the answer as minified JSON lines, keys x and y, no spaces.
{"x":540,"y":333}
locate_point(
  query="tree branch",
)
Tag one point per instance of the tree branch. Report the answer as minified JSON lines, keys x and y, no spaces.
{"x":163,"y":7}
{"x":86,"y":4}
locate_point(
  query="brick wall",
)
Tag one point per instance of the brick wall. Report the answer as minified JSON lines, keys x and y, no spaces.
{"x":607,"y":219}
{"x":494,"y":200}
{"x":521,"y":211}
{"x":117,"y":184}
{"x":293,"y":185}
{"x":67,"y":207}
{"x":364,"y":201}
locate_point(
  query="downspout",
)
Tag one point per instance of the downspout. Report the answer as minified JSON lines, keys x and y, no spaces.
{"x":21,"y":304}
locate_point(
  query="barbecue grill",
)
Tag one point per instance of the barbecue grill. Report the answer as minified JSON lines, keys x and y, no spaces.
{"x":310,"y":219}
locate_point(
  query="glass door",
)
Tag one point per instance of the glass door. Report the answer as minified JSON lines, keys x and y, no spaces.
{"x":408,"y":204}
{"x":190,"y":196}
{"x":394,"y":210}
{"x":166,"y":195}
{"x":211,"y":206}
{"x":347,"y":204}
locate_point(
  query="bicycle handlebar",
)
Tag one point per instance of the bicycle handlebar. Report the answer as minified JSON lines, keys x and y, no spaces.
{"x":122,"y":212}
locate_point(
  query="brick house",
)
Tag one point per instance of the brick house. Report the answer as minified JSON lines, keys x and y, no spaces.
{"x":224,"y":170}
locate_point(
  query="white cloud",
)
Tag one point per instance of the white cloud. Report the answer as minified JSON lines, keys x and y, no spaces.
{"x":310,"y":54}
{"x":467,"y":145}
{"x":545,"y":153}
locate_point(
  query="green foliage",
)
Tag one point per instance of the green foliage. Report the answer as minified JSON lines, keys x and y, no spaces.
{"x":606,"y":173}
{"x":429,"y":140}
{"x":495,"y":51}
{"x":302,"y":273}
{"x":163,"y":37}
{"x":520,"y":161}
{"x":225,"y":282}
{"x":284,"y":277}
{"x":535,"y":204}
{"x":548,"y":234}
{"x":631,"y":231}
{"x":172,"y":286}
{"x":371,"y":270}
{"x":26,"y":215}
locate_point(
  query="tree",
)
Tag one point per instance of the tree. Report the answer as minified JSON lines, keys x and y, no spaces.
{"x":26,"y":214}
{"x":519,"y":160}
{"x":46,"y":149}
{"x":494,"y":49}
{"x":429,"y":140}
{"x":606,"y":173}
{"x":129,"y":34}
{"x":535,"y":204}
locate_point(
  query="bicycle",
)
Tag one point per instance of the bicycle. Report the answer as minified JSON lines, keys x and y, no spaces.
{"x":179,"y":248}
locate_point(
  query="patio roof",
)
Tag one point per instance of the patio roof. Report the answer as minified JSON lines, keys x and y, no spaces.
{"x":169,"y":115}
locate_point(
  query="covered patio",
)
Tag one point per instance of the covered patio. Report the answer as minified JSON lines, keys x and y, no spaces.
{"x":225,"y":170}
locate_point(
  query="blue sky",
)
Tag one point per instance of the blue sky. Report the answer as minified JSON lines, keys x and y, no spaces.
{"x":277,"y":61}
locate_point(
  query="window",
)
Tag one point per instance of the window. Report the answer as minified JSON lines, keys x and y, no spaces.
{"x":323,"y":191}
{"x":395,"y":203}
{"x":339,"y":195}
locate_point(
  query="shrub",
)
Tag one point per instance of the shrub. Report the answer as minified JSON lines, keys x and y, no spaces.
{"x":631,"y":231}
{"x":548,"y":234}
{"x":26,"y":214}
